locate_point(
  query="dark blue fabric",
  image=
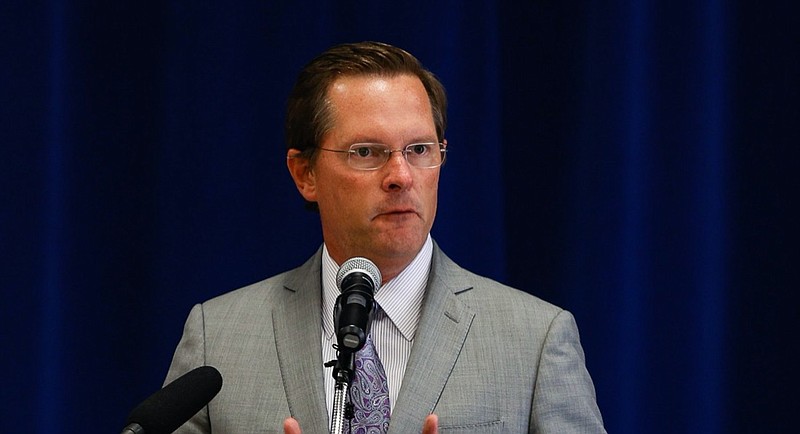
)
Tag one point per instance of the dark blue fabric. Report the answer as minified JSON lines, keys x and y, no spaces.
{"x":633,"y":162}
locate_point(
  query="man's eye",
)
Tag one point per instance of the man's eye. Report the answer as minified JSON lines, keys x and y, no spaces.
{"x":363,"y":152}
{"x":419,"y":149}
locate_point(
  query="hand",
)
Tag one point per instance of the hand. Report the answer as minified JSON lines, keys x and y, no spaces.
{"x":430,"y":426}
{"x":290,"y":426}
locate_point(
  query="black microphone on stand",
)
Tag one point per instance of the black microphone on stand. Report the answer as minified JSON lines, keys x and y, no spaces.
{"x":169,"y":408}
{"x":358,"y":279}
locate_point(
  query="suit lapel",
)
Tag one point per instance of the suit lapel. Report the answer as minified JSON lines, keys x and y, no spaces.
{"x":297,"y":328}
{"x":443,"y":328}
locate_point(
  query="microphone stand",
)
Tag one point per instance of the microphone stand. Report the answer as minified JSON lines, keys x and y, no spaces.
{"x":343,"y":369}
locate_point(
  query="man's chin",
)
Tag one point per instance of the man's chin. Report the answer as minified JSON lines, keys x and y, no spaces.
{"x":401,"y":245}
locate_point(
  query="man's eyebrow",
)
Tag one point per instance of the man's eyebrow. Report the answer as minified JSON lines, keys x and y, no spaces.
{"x":371,"y":139}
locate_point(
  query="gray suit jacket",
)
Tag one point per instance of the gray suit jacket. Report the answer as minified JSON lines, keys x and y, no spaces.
{"x":486,"y":359}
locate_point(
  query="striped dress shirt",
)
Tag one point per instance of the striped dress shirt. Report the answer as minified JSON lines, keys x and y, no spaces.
{"x":394,"y":325}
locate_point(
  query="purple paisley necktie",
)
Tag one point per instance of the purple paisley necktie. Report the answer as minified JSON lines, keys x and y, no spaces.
{"x":369,"y":394}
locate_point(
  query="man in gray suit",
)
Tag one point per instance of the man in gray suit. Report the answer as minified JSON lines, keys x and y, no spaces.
{"x":462,"y":353}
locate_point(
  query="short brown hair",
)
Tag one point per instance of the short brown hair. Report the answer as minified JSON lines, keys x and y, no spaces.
{"x":308,"y":116}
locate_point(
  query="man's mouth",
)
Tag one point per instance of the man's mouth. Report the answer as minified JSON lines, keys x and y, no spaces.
{"x":397,"y":213}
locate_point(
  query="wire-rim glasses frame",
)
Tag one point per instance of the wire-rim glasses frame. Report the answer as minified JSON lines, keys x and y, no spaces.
{"x":373,"y":156}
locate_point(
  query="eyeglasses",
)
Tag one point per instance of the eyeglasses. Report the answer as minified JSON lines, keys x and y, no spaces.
{"x":372,"y":156}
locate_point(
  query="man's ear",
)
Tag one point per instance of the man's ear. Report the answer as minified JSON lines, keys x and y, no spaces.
{"x":302,"y":174}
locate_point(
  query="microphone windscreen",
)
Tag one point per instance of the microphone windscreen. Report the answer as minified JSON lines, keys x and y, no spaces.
{"x":169,"y":408}
{"x":362,"y":265}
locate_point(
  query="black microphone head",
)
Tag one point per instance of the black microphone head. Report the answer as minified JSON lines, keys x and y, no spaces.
{"x":169,"y":408}
{"x":359,"y":265}
{"x":358,"y":279}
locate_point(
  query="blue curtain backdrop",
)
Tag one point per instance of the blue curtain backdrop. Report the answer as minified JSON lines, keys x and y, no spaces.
{"x":633,"y":162}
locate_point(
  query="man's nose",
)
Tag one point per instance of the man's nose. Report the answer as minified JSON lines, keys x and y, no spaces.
{"x":398,"y":176}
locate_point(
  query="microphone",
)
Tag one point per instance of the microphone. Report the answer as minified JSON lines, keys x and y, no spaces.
{"x":357,"y":279}
{"x":169,"y":408}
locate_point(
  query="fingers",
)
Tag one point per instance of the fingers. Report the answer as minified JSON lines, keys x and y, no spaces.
{"x":290,"y":426}
{"x":431,"y":425}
